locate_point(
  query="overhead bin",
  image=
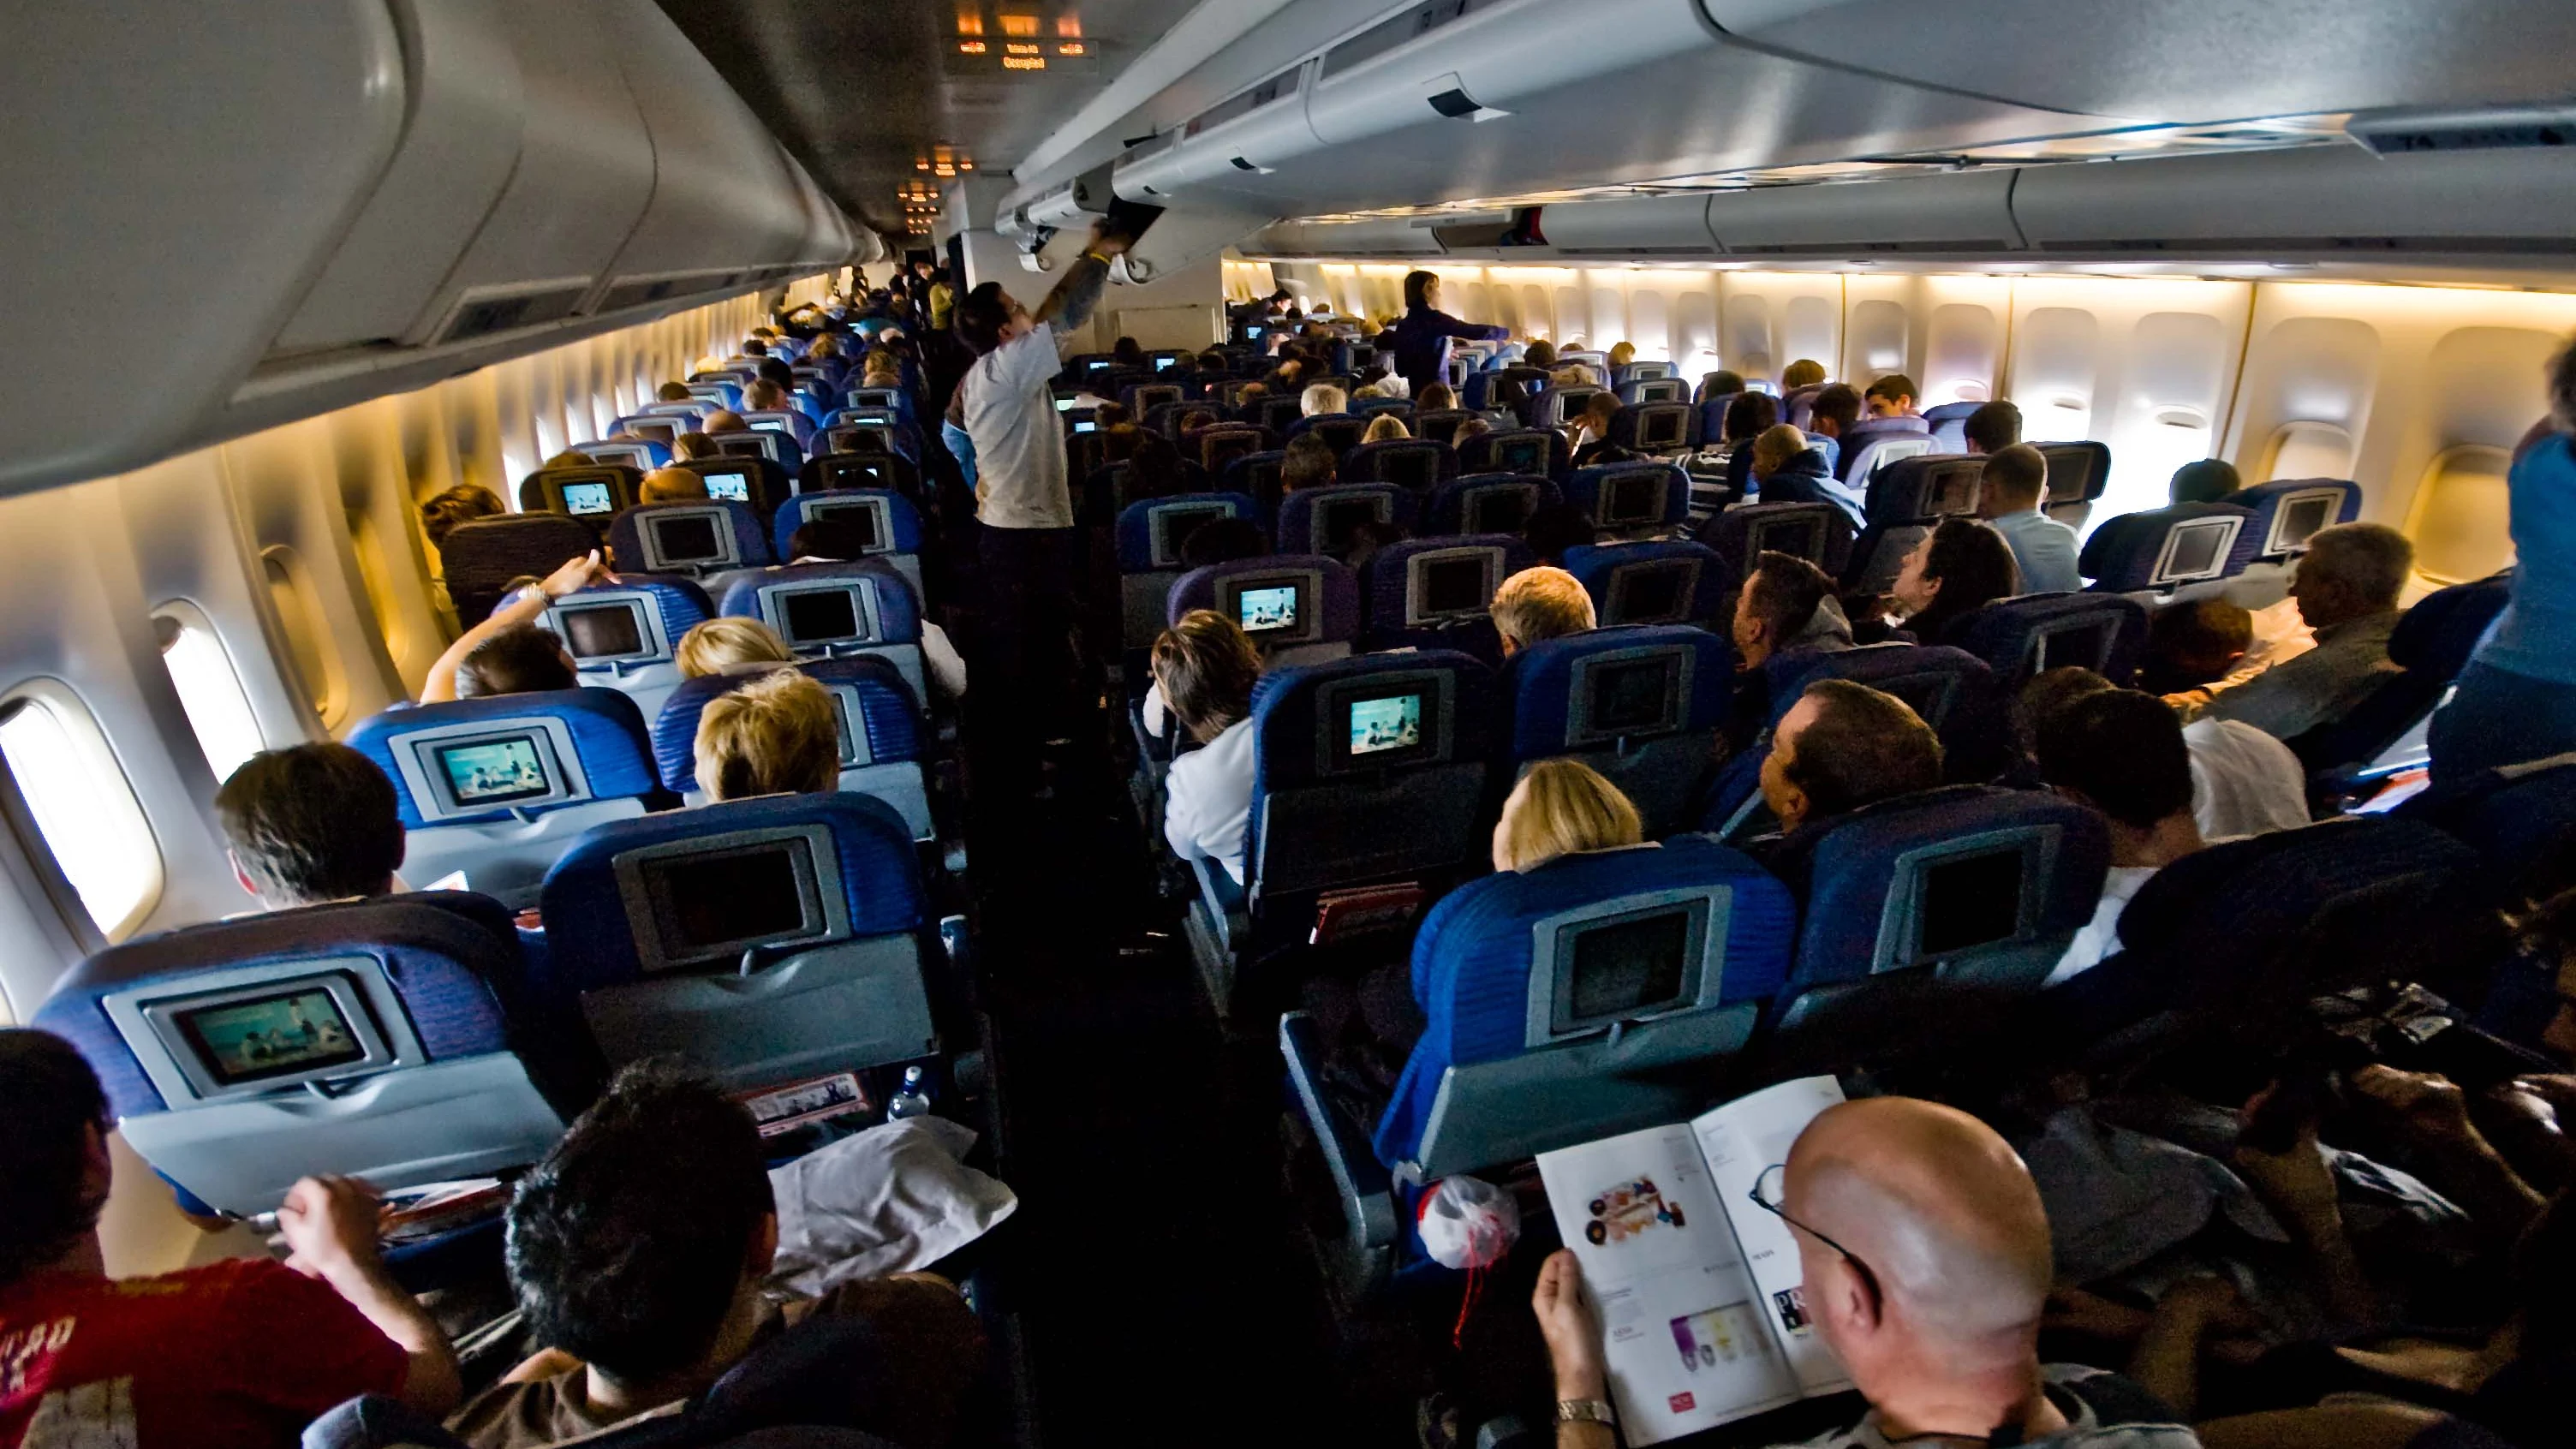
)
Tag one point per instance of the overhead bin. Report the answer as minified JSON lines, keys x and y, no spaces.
{"x":1968,"y":212}
{"x":1670,"y":226}
{"x":1254,"y":130}
{"x":1375,"y":237}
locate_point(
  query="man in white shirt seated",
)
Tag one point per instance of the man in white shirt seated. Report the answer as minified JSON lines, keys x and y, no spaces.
{"x":2121,"y":753}
{"x":2009,"y":493}
{"x":1205,"y":666}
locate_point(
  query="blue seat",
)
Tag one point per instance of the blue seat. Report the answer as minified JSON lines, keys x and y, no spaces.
{"x":883,"y":743}
{"x":621,"y":635}
{"x":1797,"y":406}
{"x":887,"y":520}
{"x":1416,"y":464}
{"x":1487,"y":503}
{"x":1438,"y":593}
{"x":1642,"y":371}
{"x":693,"y":539}
{"x":1543,"y":451}
{"x":1647,"y":390}
{"x":1340,"y":431}
{"x":767,"y":942}
{"x":826,"y":472}
{"x":1663,"y":581}
{"x":1949,"y":425}
{"x":1949,"y":689}
{"x":1325,"y":520}
{"x":1140,"y":398}
{"x":792,"y":421}
{"x":2431,"y":644}
{"x":1316,"y":619}
{"x":1440,"y":425}
{"x":776,"y":446}
{"x":1556,"y":406}
{"x":1659,"y":425}
{"x":2018,"y":638}
{"x":731,"y":477}
{"x":2520,"y":819}
{"x":482,"y":559}
{"x":496,"y":788}
{"x":836,"y":610}
{"x":593,"y":494}
{"x":1712,"y":418}
{"x":641,"y":454}
{"x":1149,"y":538}
{"x":726,"y":394}
{"x":411,"y":1074}
{"x":1904,"y":501}
{"x":2284,"y":513}
{"x":1637,"y":499}
{"x":1641,"y":704}
{"x":1597,"y":994}
{"x":1370,"y":407}
{"x":1255,"y":476}
{"x":1216,"y":446}
{"x":1877,"y":442}
{"x":2163,"y":549}
{"x":1820,"y":533}
{"x":1927,"y":917}
{"x":872,"y":430}
{"x":2078,"y":473}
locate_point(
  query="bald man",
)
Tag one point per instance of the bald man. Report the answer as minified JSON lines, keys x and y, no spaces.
{"x":1927,"y":1262}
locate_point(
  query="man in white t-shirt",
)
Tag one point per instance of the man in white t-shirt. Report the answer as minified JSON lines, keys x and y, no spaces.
{"x":2121,"y":752}
{"x":1027,"y":543}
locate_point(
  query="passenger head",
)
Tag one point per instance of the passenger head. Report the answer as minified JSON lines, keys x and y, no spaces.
{"x":1308,"y":463}
{"x":1960,"y":566}
{"x":1891,"y":396}
{"x":1222,"y":540}
{"x":1834,"y":412}
{"x":689,"y":448}
{"x":765,"y":396}
{"x":522,"y":659}
{"x":2120,"y":752}
{"x":1206,"y":667}
{"x":1994,"y":427}
{"x":840,"y":539}
{"x":1931,"y":1288}
{"x":2013,"y":481}
{"x":449,"y":507}
{"x":674,"y":392}
{"x":777,"y":735}
{"x":1805,"y":372}
{"x":1385,"y":428}
{"x":754,"y":347}
{"x":54,"y":1138}
{"x":2546,"y":934}
{"x":1552,"y":528}
{"x":1622,"y":354}
{"x":1468,"y":427}
{"x":2195,"y":643}
{"x":569,"y":458}
{"x":1751,"y":415}
{"x":1422,"y":291}
{"x":1323,"y":398}
{"x":638,"y":1244}
{"x":673,"y":485}
{"x":2049,"y":691}
{"x":724,"y":420}
{"x":774,"y":371}
{"x":984,"y":319}
{"x":1195,"y":419}
{"x":1574,"y":374}
{"x":2350,"y":571}
{"x":1540,"y":604}
{"x":1774,"y":449}
{"x":1435,"y":397}
{"x":1598,"y":410}
{"x":1126,"y":353}
{"x":1719,"y":384}
{"x":1540,"y":353}
{"x":1843,"y":746}
{"x":311,"y":823}
{"x":1562,"y":807}
{"x":720,"y":646}
{"x":2209,"y":480}
{"x":1777,"y":605}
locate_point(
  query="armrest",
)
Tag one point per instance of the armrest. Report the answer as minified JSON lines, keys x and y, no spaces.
{"x":1224,"y":900}
{"x":1368,"y":1203}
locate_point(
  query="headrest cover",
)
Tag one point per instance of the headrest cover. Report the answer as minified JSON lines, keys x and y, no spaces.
{"x":1322,"y":608}
{"x":895,"y":613}
{"x":612,"y":753}
{"x":889,"y":715}
{"x":1147,"y":538}
{"x":1587,"y":690}
{"x":713,"y":533}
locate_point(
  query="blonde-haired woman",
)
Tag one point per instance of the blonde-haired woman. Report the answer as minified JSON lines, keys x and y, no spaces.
{"x":1562,"y":807}
{"x":1385,"y":428}
{"x":774,"y":736}
{"x":723,"y":646}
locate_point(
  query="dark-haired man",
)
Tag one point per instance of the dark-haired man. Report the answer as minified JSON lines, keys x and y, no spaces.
{"x":1831,"y":414}
{"x":1841,"y":748}
{"x":309,"y":824}
{"x":1891,"y":396}
{"x":2121,"y":753}
{"x":1787,"y":605}
{"x":2009,"y":493}
{"x":1993,"y":427}
{"x":237,"y":1354}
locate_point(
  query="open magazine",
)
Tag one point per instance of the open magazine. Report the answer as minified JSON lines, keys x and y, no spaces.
{"x":1696,"y":1287}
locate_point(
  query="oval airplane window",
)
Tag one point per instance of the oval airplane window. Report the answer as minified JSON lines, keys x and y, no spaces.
{"x":1810,"y":324}
{"x":1877,"y":339}
{"x":80,"y":805}
{"x":2459,"y":519}
{"x":2308,"y":450}
{"x":210,"y":689}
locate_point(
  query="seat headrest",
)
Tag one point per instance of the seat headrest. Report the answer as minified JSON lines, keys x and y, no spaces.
{"x":473,"y":760}
{"x":639,"y":619}
{"x":1151,"y":532}
{"x":1925,"y":488}
{"x":1429,"y":583}
{"x":710,"y":534}
{"x":482,"y":557}
{"x":893,"y":525}
{"x":850,"y":855}
{"x":2285,"y":512}
{"x":439,"y":950}
{"x":1320,"y":520}
{"x":2164,"y":547}
{"x":887,"y":721}
{"x":1321,"y":604}
{"x":1862,"y":458}
{"x":2442,"y":630}
{"x":1936,"y":681}
{"x":1660,"y":581}
{"x":881,"y":607}
{"x":827,"y":472}
{"x":2020,"y":637}
{"x":1518,"y":450}
{"x":1369,"y":713}
{"x":2078,"y":472}
{"x":1656,"y":424}
{"x":1820,"y":533}
{"x":1631,"y":495}
{"x":1415,"y":463}
{"x":1611,"y":684}
{"x":1488,"y":502}
{"x":1962,"y":868}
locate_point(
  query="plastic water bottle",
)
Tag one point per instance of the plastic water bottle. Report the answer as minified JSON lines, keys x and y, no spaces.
{"x":912,"y":1101}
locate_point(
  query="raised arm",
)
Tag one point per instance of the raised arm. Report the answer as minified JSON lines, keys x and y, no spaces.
{"x":578,"y":573}
{"x":1078,"y":290}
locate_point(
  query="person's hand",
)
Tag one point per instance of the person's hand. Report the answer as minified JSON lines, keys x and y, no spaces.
{"x":1566,"y":1322}
{"x":2427,"y":1102}
{"x":1104,"y":243}
{"x":329,"y":1224}
{"x":2297,"y":1183}
{"x":575,"y":575}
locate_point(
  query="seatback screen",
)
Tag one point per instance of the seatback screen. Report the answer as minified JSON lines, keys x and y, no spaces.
{"x":1628,"y":968}
{"x":732,"y":487}
{"x":732,"y":898}
{"x":1629,"y":498}
{"x":861,"y":518}
{"x":1154,"y":397}
{"x":742,"y":445}
{"x":1520,"y":455}
{"x":2300,"y":518}
{"x":1652,"y":593}
{"x":2088,"y":646}
{"x":1224,"y":448}
{"x":1415,"y":468}
{"x":820,"y":616}
{"x":1953,"y":493}
{"x":1173,"y":527}
{"x":660,"y":430}
{"x":494,"y":772}
{"x":1661,"y":428}
{"x":1455,"y":585}
{"x":2192,"y":550}
{"x":252,"y":1040}
{"x":1797,"y":537}
{"x":585,"y":499}
{"x":1661,"y":389}
{"x":1498,"y":510}
{"x":1262,"y":611}
{"x":686,"y":539}
{"x":1392,"y":723}
{"x":1344,"y":518}
{"x":1971,"y":901}
{"x":606,"y":631}
{"x":1633,"y":697}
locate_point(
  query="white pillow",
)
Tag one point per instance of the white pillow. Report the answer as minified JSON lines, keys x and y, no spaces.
{"x":891,"y":1199}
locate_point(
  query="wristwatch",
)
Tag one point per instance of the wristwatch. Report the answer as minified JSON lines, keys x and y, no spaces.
{"x":1586,"y":1411}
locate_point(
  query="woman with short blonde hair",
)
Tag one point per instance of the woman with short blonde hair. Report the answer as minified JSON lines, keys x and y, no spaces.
{"x":721,"y":646}
{"x":1385,"y":428}
{"x":774,"y":736}
{"x":1562,"y":807}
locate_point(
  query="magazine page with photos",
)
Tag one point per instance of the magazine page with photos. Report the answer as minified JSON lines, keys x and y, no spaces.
{"x":1739,"y":1141}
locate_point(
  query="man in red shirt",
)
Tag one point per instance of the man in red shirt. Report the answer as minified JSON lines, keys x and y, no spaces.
{"x":238,"y":1354}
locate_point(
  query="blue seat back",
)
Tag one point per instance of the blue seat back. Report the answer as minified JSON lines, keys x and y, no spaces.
{"x":826,"y":472}
{"x":1646,"y":390}
{"x":1662,"y":425}
{"x":1256,"y":476}
{"x":693,"y":538}
{"x":766,"y":942}
{"x":891,"y":524}
{"x":1298,"y":608}
{"x":835,"y":610}
{"x":1438,"y":593}
{"x":881,"y":730}
{"x":1863,"y":455}
{"x":591,"y":493}
{"x":2285,"y":512}
{"x":726,"y":394}
{"x":792,"y":421}
{"x":776,"y":447}
{"x":1642,"y":370}
{"x":1415,"y":464}
{"x":1904,"y":501}
{"x":1638,"y":497}
{"x":1949,"y":425}
{"x":1340,"y":431}
{"x":481,"y":559}
{"x":1326,"y":520}
{"x":200,"y":1038}
{"x":1820,"y":533}
{"x":1519,"y":450}
{"x":1643,"y":705}
{"x":2018,"y":638}
{"x":1487,"y":503}
{"x":1578,"y":1000}
{"x":621,"y":635}
{"x":1927,"y":916}
{"x":2078,"y":473}
{"x":1370,"y":407}
{"x":2164,"y":548}
{"x":2520,"y":819}
{"x":641,"y":454}
{"x":1663,"y":581}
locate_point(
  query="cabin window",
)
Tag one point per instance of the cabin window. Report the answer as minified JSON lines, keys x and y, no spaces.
{"x":76,"y":807}
{"x":1647,"y":327}
{"x":1959,"y":360}
{"x":2308,"y":450}
{"x":1878,"y":336}
{"x":210,"y":689}
{"x":1810,"y":324}
{"x":2459,"y":521}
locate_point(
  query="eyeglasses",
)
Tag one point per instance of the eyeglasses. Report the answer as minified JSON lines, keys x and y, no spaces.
{"x":1766,"y":1195}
